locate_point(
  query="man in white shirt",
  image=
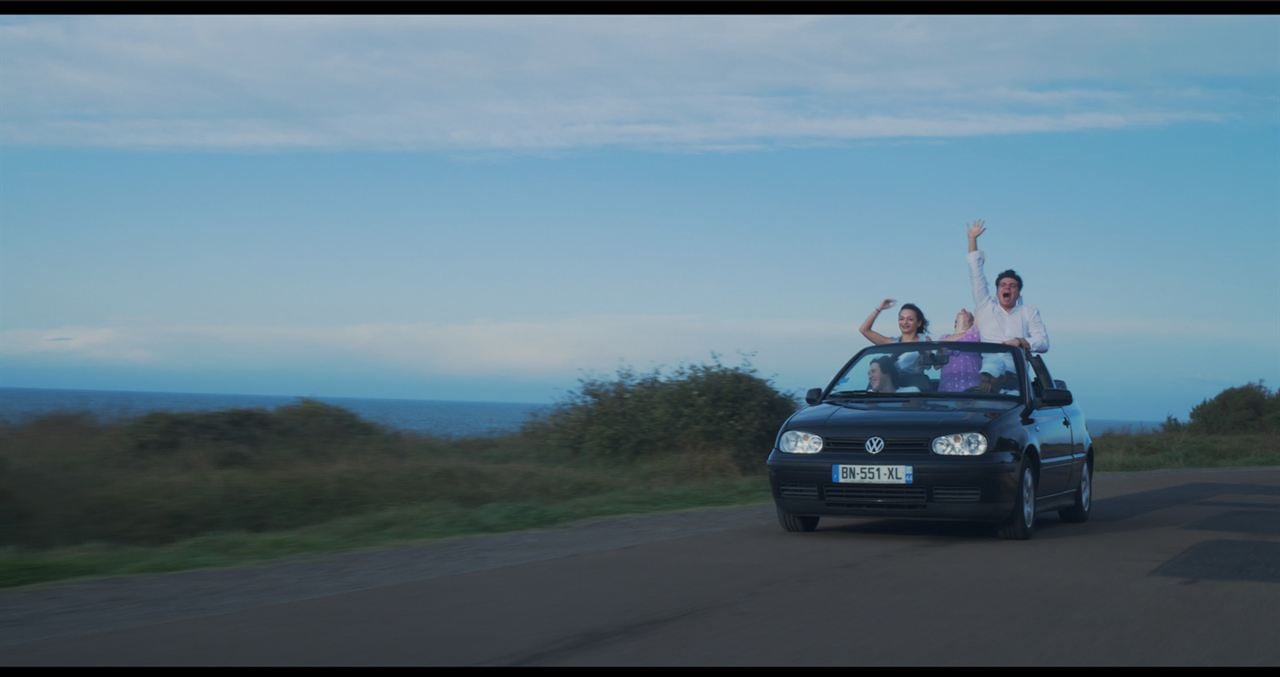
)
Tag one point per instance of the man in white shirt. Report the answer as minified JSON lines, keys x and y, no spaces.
{"x":1003,"y":318}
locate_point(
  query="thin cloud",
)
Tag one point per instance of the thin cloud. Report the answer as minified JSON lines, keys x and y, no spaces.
{"x":91,"y":343}
{"x":550,"y":83}
{"x":560,"y":347}
{"x":548,"y":348}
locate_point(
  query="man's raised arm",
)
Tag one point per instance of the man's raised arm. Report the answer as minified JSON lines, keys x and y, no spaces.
{"x":977,"y":278}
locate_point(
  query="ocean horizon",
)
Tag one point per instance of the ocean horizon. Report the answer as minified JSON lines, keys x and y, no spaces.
{"x":442,"y":418}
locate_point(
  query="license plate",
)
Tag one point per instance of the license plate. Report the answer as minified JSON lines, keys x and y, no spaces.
{"x":871,"y":474}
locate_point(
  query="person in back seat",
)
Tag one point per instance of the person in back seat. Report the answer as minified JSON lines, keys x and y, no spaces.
{"x":1004,"y":318}
{"x":960,"y":372}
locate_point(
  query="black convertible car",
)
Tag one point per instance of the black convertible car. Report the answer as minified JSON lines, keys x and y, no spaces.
{"x":942,"y":430}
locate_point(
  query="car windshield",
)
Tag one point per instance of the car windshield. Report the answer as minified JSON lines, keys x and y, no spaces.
{"x":936,"y":369}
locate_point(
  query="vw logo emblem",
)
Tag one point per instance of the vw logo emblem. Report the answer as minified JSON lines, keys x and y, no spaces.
{"x":875,"y":445}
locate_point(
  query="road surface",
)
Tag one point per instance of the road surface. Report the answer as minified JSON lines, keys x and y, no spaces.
{"x":1174,"y":568}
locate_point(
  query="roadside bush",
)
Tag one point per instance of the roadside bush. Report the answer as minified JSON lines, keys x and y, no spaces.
{"x":1249,"y":408}
{"x":67,"y":477}
{"x":308,"y":431}
{"x":698,"y":409}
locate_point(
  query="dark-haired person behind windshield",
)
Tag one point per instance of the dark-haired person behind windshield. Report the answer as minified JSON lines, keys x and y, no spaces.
{"x":1003,"y":318}
{"x":882,"y":375}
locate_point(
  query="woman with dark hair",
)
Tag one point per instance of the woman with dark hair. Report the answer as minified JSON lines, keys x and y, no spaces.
{"x":882,"y":375}
{"x":914,"y":327}
{"x":911,"y":323}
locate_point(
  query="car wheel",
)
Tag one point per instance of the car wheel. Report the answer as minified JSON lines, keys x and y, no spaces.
{"x":797,"y":522}
{"x":1084,"y":498}
{"x":1022,"y":520}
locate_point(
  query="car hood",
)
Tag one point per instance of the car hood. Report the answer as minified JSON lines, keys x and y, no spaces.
{"x":888,"y":416}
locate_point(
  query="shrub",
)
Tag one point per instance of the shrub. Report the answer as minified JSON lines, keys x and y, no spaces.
{"x":66,"y":477}
{"x":1249,"y":408}
{"x":699,"y":409}
{"x":233,"y":438}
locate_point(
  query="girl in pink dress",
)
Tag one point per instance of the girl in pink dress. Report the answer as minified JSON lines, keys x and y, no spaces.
{"x":960,"y":373}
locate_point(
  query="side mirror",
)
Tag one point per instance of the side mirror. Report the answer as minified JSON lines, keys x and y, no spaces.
{"x":814,"y":396}
{"x":1056,"y":397}
{"x":1059,"y":384}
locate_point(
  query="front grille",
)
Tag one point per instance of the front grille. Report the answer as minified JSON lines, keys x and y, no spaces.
{"x":892,"y":445}
{"x":957,"y":494}
{"x":798,"y":491}
{"x":875,"y":496}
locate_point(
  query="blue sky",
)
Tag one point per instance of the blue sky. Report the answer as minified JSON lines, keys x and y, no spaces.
{"x":488,"y":208}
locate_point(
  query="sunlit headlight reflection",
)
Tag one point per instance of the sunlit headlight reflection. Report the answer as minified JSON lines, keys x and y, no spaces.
{"x":796,"y":442}
{"x":961,"y":444}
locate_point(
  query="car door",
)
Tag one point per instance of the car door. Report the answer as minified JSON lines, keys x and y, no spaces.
{"x":1053,"y":428}
{"x":1079,"y":438}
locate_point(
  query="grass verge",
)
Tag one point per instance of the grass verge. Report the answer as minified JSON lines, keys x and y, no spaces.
{"x":393,"y":526}
{"x":1166,"y":450}
{"x":169,"y":492}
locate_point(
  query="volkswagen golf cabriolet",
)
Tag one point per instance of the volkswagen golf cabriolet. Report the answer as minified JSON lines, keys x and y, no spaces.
{"x":936,"y":430}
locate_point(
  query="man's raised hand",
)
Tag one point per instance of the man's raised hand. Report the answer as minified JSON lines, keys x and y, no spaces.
{"x":977,"y":228}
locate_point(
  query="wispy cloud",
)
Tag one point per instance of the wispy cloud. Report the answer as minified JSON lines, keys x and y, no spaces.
{"x":95,"y":344}
{"x":560,"y":347}
{"x":552,"y":348}
{"x":537,"y":83}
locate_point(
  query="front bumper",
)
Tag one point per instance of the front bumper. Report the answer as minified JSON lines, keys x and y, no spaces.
{"x":979,"y":488}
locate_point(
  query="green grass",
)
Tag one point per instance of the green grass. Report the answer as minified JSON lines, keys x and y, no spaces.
{"x":168,"y":492}
{"x":393,"y":526}
{"x":173,"y":491}
{"x":1163,"y":450}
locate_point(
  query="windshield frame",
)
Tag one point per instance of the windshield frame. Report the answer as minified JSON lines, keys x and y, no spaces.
{"x":1019,"y":361}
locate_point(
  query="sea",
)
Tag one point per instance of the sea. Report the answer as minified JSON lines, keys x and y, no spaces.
{"x":442,"y":418}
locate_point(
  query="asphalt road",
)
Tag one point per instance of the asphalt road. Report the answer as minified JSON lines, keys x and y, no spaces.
{"x":1178,"y":568}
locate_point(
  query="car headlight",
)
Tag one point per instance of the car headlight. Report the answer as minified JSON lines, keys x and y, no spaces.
{"x":961,"y":444}
{"x":796,"y":442}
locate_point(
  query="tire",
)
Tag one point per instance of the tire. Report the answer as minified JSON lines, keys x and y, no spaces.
{"x":1022,"y":520}
{"x":797,"y":522}
{"x":1084,"y":498}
